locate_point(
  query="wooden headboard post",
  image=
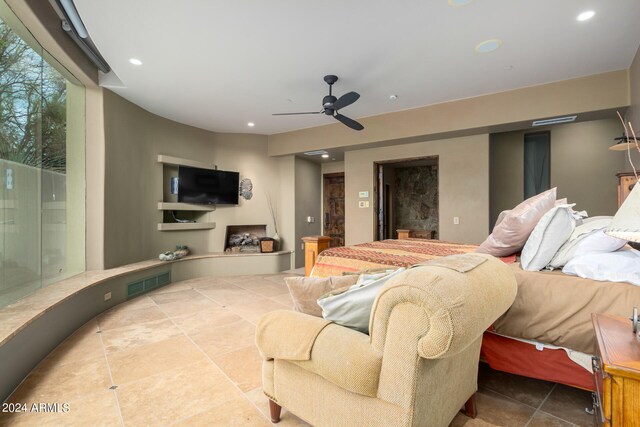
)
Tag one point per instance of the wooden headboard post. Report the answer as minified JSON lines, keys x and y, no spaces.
{"x":313,"y":245}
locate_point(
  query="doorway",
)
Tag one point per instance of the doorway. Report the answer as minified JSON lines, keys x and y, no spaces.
{"x":333,"y":207}
{"x":407,"y":197}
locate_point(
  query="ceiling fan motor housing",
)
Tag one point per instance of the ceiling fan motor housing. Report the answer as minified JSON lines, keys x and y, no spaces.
{"x":327,"y":103}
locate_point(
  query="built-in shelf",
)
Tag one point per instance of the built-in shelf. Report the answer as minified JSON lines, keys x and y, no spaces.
{"x":177,"y":161}
{"x":185,"y":226}
{"x":168,"y":206}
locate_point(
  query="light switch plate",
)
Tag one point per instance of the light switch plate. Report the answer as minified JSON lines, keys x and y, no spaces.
{"x":456,"y":220}
{"x":363,"y":194}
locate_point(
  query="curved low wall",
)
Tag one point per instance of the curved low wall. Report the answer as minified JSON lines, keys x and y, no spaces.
{"x":32,"y":327}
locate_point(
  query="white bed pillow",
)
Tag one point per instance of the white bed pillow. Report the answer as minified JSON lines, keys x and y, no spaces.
{"x":352,"y":308}
{"x":588,"y":238}
{"x":619,"y":266}
{"x":550,"y":233}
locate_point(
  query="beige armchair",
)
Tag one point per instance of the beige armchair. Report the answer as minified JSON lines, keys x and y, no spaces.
{"x":417,"y":367}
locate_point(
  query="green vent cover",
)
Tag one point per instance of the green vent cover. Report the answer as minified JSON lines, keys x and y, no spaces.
{"x":135,"y":288}
{"x":145,"y":285}
{"x":164,"y":278}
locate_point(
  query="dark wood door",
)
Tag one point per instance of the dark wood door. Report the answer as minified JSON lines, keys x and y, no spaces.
{"x":333,"y":207}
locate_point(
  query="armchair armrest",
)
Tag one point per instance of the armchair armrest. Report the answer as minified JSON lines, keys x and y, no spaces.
{"x":456,"y":300}
{"x":338,"y":354}
{"x":288,"y":335}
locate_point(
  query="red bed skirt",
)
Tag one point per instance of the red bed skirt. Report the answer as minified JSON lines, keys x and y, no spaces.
{"x":520,"y":358}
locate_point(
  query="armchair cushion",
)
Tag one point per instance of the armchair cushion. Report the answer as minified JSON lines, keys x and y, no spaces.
{"x":288,"y":335}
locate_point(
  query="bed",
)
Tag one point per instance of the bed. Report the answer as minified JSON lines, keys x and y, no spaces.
{"x":547,"y":332}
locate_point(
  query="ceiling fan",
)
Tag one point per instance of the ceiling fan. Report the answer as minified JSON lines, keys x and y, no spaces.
{"x":331,"y":105}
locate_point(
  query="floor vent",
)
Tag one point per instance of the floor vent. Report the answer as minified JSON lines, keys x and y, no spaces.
{"x":145,"y":285}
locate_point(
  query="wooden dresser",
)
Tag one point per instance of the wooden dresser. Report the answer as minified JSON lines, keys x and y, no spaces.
{"x":616,"y":368}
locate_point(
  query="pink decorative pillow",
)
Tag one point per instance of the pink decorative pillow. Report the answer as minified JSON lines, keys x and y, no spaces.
{"x":510,"y":235}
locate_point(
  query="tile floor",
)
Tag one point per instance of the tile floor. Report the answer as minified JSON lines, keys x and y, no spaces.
{"x":185,"y":355}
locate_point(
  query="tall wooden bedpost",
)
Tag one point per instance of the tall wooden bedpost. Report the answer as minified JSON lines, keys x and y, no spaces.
{"x":313,"y":245}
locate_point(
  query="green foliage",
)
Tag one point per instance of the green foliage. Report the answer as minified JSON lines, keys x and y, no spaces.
{"x":32,"y":106}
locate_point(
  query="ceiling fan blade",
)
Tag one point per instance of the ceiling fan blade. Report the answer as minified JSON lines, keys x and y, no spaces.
{"x":295,"y":114}
{"x":345,"y":100}
{"x":349,"y":122}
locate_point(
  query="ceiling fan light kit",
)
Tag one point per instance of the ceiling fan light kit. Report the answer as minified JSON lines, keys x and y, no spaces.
{"x":331,"y":105}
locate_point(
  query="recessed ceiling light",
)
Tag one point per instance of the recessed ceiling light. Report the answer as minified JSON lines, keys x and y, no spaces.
{"x":459,"y":2}
{"x":488,"y":45}
{"x":325,"y":156}
{"x":393,"y":97}
{"x":135,"y":61}
{"x":585,"y":16}
{"x":251,"y":124}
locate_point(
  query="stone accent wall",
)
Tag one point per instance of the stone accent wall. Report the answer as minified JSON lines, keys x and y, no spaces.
{"x":415,"y":200}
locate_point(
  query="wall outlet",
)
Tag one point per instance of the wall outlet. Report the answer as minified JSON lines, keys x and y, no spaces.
{"x":363,"y":194}
{"x":362,"y":204}
{"x":107,"y":296}
{"x":456,"y":220}
{"x":302,"y":246}
{"x":311,"y":219}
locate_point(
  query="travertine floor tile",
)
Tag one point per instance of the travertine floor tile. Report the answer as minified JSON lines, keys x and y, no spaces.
{"x":178,"y":308}
{"x":118,"y":317}
{"x":173,"y":287}
{"x":95,"y":409}
{"x":223,"y":339}
{"x":284,"y":299}
{"x":243,"y":366}
{"x":84,"y":344}
{"x":237,"y":412}
{"x":204,"y":321}
{"x":254,"y":310}
{"x":136,"y":335}
{"x":229,"y":294}
{"x":174,"y":394}
{"x":51,"y":382}
{"x":146,"y":360}
{"x":142,"y":301}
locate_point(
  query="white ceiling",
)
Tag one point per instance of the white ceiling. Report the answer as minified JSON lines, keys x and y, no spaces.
{"x":219,"y":64}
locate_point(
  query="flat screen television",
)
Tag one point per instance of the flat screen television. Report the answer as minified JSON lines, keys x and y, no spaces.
{"x":207,"y":186}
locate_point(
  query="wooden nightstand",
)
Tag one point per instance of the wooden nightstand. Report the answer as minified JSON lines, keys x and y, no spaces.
{"x":616,"y":368}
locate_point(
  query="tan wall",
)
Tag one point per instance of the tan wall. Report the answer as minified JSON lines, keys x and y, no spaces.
{"x":468,"y":116}
{"x":332,"y":167}
{"x":581,"y":166}
{"x":133,"y":181}
{"x":633,"y":114}
{"x":463,"y":186}
{"x":307,"y":188}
